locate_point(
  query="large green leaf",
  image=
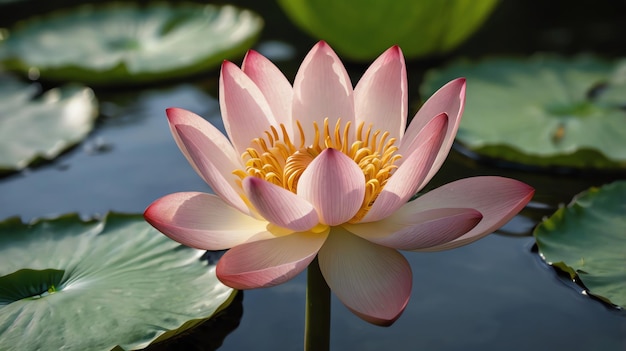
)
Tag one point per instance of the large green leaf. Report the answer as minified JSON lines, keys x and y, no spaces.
{"x":362,"y":29}
{"x":543,"y":111}
{"x":92,"y":285}
{"x":36,"y":127}
{"x":122,"y":42}
{"x":587,"y":239}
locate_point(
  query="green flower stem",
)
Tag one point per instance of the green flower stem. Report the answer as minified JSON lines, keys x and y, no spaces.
{"x":317,"y":324}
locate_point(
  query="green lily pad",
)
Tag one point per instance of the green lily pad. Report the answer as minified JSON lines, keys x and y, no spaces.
{"x":587,"y":239}
{"x":125,"y":43}
{"x":96,"y":285}
{"x":34,"y":127}
{"x":544,"y":111}
{"x":361,"y":30}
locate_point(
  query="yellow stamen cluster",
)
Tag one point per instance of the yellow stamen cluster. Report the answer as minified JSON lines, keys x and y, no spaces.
{"x":276,"y":159}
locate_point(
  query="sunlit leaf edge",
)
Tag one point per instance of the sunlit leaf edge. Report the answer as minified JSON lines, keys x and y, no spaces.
{"x":61,"y":145}
{"x":551,"y":224}
{"x":581,"y":159}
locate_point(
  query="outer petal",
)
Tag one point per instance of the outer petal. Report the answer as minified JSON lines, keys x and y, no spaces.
{"x":203,"y":221}
{"x":449,"y":99}
{"x":380,"y":97}
{"x":373,"y":281}
{"x":335,"y":185}
{"x":410,"y":176}
{"x":322,"y":89}
{"x":272,"y":83}
{"x":269,"y":262}
{"x":280,"y":206}
{"x":214,"y":166}
{"x":178,"y":116}
{"x":498,"y":199}
{"x":245,"y":111}
{"x":420,"y":230}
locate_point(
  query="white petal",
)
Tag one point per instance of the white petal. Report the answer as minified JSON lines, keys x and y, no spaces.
{"x":177,"y":116}
{"x":497,"y":198}
{"x":335,"y":185}
{"x":418,"y":230}
{"x":373,"y":281}
{"x":203,"y":221}
{"x":322,"y":89}
{"x":380,"y":97}
{"x":280,"y":206}
{"x":272,"y":83}
{"x":214,"y":166}
{"x":266,"y":263}
{"x":409,"y":178}
{"x":245,"y":111}
{"x":450,"y":99}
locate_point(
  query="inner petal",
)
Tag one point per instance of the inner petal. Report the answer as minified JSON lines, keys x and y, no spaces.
{"x":276,"y":159}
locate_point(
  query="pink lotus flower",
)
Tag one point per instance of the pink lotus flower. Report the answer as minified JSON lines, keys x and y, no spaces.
{"x":323,"y":169}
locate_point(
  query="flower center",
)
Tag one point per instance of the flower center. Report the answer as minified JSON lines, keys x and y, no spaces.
{"x":275,"y":158}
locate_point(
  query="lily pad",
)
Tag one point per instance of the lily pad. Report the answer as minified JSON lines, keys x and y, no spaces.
{"x":544,"y":111}
{"x":361,"y":30}
{"x":126,"y":43}
{"x":34,"y":127}
{"x":587,"y":239}
{"x":95,"y":285}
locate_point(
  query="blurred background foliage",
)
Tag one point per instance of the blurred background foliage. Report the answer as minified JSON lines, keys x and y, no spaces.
{"x":514,"y":27}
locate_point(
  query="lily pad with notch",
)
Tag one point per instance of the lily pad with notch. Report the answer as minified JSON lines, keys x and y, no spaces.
{"x":587,"y":240}
{"x":543,"y":111}
{"x":117,"y":283}
{"x":39,"y":126}
{"x":123,"y":43}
